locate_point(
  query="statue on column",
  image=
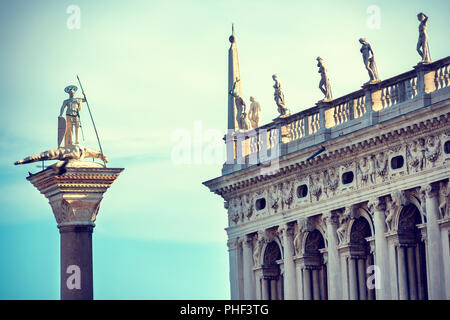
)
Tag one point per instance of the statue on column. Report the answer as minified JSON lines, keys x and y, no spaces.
{"x":279,"y":97}
{"x":72,"y":123}
{"x":241,"y":115}
{"x":254,"y":112}
{"x":369,"y":61}
{"x":422,"y":43}
{"x":324,"y":84}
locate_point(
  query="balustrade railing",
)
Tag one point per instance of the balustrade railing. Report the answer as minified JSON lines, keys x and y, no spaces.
{"x":371,"y":98}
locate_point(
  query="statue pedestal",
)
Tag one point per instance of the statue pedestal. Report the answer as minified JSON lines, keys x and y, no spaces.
{"x":74,"y":192}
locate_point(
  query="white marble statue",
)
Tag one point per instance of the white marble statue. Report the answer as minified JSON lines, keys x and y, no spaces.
{"x":279,"y":97}
{"x":324,"y":84}
{"x":369,"y":60}
{"x":254,"y":112}
{"x":422,"y":43}
{"x":241,"y":115}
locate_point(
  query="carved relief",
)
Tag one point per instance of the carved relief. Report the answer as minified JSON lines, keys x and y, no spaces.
{"x":363,"y":169}
{"x":248,"y":205}
{"x":415,"y":155}
{"x":332,"y":181}
{"x":259,"y":242}
{"x":381,"y":166}
{"x":341,"y":231}
{"x":433,"y":149}
{"x":274,"y":197}
{"x":234,"y":210}
{"x":315,"y":186}
{"x":287,"y":194}
{"x":444,"y":193}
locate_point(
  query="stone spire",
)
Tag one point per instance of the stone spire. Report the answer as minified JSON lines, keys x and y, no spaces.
{"x":233,"y":75}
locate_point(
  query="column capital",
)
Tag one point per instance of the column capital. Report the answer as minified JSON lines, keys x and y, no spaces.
{"x":75,"y":194}
{"x":246,"y":240}
{"x":233,"y":243}
{"x":430,"y":190}
{"x":376,"y":204}
{"x":330,"y":218}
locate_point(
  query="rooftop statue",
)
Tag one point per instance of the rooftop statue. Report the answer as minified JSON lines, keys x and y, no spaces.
{"x":241,"y":115}
{"x":422,"y":43}
{"x":279,"y":97}
{"x":71,"y":150}
{"x":253,"y":114}
{"x":324,"y":84}
{"x":369,"y":61}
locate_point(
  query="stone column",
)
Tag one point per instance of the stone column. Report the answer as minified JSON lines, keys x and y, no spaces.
{"x":377,"y":209}
{"x":334,"y":265}
{"x":265,"y":289}
{"x":411,"y":273}
{"x":402,"y":275}
{"x":299,"y":273}
{"x":273,"y":289}
{"x":352,"y":278}
{"x":233,"y":260}
{"x":307,"y":282}
{"x":362,"y":278}
{"x":249,"y":280}
{"x":75,"y":196}
{"x":434,"y":243}
{"x":290,"y":281}
{"x":316,"y":284}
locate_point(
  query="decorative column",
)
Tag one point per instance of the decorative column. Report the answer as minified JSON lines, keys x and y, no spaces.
{"x":273,"y":289}
{"x":411,"y":273}
{"x":307,"y":281}
{"x":75,"y":194}
{"x":362,"y":278}
{"x":377,"y":209}
{"x":290,"y":283}
{"x":249,"y":281}
{"x":265,"y":289}
{"x":334,"y":266}
{"x":299,"y":272}
{"x":434,"y":242}
{"x":316,"y":284}
{"x":352,"y":278}
{"x":402,"y":275}
{"x":233,"y":246}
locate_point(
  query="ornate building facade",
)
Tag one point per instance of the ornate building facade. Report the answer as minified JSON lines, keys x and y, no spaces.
{"x":345,"y":200}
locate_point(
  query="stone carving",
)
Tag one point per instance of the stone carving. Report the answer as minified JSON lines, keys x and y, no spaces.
{"x":247,"y":205}
{"x":274,"y":197}
{"x":341,"y":231}
{"x":279,"y":97}
{"x":253,"y":114}
{"x":235,"y":209}
{"x":324,"y":84}
{"x":72,"y":152}
{"x":364,"y":170}
{"x":259,"y":242}
{"x":332,"y":180}
{"x":381,"y":165}
{"x":392,"y":206}
{"x":75,"y":211}
{"x":369,"y":61}
{"x":444,"y":194}
{"x":73,"y":106}
{"x":433,"y":149}
{"x":303,"y":225}
{"x":422,"y":43}
{"x":241,"y":115}
{"x":315,"y":185}
{"x":287,"y":194}
{"x":415,"y":155}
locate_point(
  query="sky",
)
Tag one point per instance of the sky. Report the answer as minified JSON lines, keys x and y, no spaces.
{"x":155,"y":74}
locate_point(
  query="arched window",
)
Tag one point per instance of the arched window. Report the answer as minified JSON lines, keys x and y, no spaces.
{"x":314,"y":272}
{"x":272,"y":281}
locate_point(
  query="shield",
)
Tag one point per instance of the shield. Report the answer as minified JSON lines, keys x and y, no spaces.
{"x":61,"y":129}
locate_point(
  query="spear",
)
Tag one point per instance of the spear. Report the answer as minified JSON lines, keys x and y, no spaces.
{"x":93,"y":123}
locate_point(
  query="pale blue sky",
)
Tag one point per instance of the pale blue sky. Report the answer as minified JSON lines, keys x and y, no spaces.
{"x":152,"y":68}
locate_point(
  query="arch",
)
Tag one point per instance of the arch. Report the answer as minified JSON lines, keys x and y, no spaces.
{"x":313,"y":242}
{"x":272,"y":279}
{"x":272,"y":253}
{"x":314,"y":271}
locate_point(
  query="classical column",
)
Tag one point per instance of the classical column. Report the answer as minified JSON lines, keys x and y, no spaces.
{"x":420,"y":280}
{"x":352,"y":278}
{"x":75,"y":197}
{"x":377,"y":209}
{"x":265,"y":289}
{"x":362,"y":278}
{"x":316,"y":284}
{"x":402,"y":275}
{"x":299,"y":273}
{"x":334,"y":266}
{"x":233,"y":246}
{"x":411,"y":273}
{"x":249,"y":280}
{"x":307,"y":282}
{"x":290,"y":282}
{"x":273,"y":289}
{"x":434,"y":243}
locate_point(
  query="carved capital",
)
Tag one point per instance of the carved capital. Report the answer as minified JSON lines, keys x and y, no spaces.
{"x":430,"y":191}
{"x":376,"y":204}
{"x":75,"y":212}
{"x":330,"y":218}
{"x":233,"y":243}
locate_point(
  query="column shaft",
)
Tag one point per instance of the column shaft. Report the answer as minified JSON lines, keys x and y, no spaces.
{"x":316,"y":284}
{"x":334,"y":265}
{"x":273,"y":290}
{"x":362,"y":279}
{"x":76,"y":262}
{"x":265,"y":289}
{"x":352,"y":279}
{"x":412,"y":273}
{"x":249,"y":281}
{"x":307,"y":281}
{"x":382,"y":256}
{"x":402,"y":275}
{"x":290,"y":281}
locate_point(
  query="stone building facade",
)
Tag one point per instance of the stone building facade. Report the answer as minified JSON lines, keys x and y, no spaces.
{"x":345,"y":200}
